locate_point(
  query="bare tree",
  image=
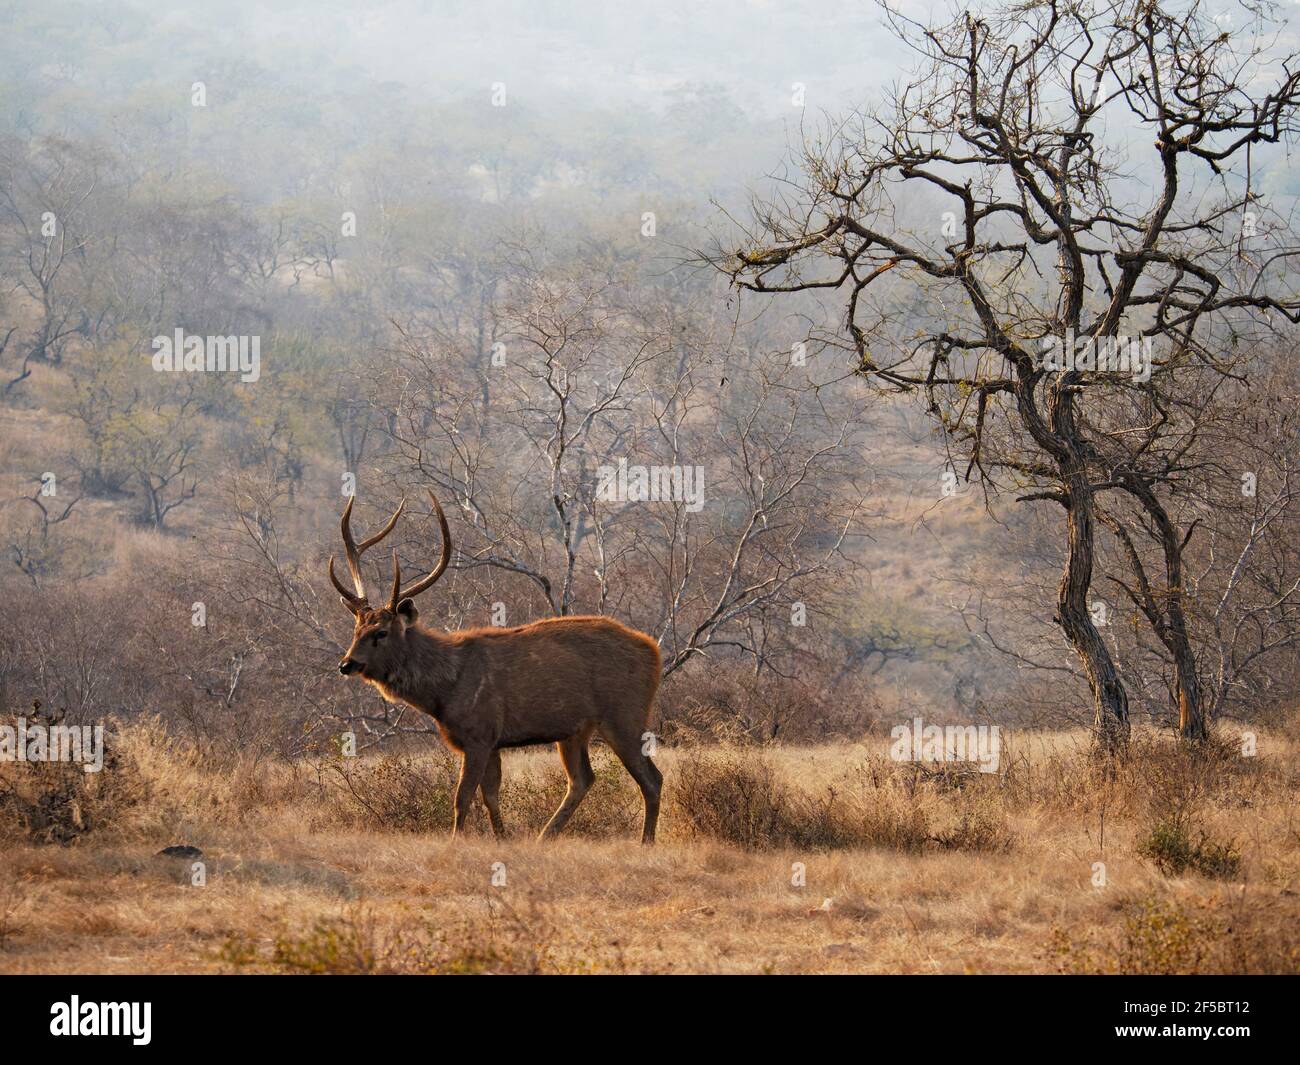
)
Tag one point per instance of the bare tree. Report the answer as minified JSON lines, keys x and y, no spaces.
{"x":990,"y":245}
{"x":43,"y":194}
{"x":32,"y":550}
{"x":1204,"y":536}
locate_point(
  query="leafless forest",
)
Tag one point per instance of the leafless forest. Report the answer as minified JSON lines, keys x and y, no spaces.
{"x":902,"y":371}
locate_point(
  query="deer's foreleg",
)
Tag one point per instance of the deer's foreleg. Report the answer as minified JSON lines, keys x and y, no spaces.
{"x":473,"y":765}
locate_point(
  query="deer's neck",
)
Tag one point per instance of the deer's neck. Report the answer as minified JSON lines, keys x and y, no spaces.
{"x":425,"y":674}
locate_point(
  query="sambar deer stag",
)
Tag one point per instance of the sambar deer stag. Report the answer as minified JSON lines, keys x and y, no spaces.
{"x":558,"y":681}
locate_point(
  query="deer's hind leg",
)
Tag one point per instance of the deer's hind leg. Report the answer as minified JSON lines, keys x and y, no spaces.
{"x":490,"y":789}
{"x":577,"y":764}
{"x":643,"y":771}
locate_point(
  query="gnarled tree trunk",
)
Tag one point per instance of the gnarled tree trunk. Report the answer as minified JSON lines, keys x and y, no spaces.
{"x":1110,"y":701}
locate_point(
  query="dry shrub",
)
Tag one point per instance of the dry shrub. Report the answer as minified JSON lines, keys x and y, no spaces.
{"x":910,"y":806}
{"x":59,"y":802}
{"x":1172,"y":846}
{"x":979,"y":827}
{"x":1178,"y":782}
{"x":1161,"y":936}
{"x":891,"y":819}
{"x":338,"y":946}
{"x":739,"y":797}
{"x":190,"y":793}
{"x":401,"y":793}
{"x":1157,"y":774}
{"x":1174,"y":777}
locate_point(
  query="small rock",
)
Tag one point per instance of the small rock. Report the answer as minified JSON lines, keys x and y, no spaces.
{"x":180,"y":851}
{"x":840,"y":950}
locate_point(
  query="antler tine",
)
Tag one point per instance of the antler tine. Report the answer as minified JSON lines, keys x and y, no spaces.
{"x":352,"y":602}
{"x":350,"y":547}
{"x":371,"y":541}
{"x":396,"y":593}
{"x":426,"y":582}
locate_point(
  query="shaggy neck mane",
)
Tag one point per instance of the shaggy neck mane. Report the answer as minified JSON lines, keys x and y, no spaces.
{"x":428,"y":669}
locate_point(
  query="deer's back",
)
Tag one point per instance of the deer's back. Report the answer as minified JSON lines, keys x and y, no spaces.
{"x":543,"y":681}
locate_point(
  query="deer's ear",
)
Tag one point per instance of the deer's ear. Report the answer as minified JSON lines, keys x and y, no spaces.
{"x":406,"y":608}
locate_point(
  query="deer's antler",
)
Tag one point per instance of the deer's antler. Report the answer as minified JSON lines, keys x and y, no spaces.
{"x":399,"y":593}
{"x":358,"y":601}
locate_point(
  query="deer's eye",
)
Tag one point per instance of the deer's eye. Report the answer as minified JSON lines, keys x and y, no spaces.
{"x":379,"y":636}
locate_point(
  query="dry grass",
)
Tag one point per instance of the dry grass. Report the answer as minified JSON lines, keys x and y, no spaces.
{"x":813,"y":859}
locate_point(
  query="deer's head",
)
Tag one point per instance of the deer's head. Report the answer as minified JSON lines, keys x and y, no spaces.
{"x":378,"y":632}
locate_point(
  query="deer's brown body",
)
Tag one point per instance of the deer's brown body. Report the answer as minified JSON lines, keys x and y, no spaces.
{"x":558,"y":681}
